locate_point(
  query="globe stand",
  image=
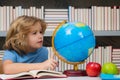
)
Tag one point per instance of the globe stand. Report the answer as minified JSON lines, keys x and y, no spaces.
{"x":74,"y":31}
{"x":75,"y":72}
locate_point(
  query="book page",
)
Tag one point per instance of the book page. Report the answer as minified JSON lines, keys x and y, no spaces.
{"x":35,"y":72}
{"x":51,"y":75}
{"x":42,"y":73}
{"x":19,"y":75}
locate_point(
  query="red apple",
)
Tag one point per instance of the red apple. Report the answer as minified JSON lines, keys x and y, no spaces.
{"x":93,"y":69}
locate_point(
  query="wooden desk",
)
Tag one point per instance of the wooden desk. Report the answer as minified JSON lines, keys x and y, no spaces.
{"x":73,"y":78}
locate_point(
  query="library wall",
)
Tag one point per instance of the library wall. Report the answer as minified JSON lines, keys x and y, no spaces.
{"x":102,"y":41}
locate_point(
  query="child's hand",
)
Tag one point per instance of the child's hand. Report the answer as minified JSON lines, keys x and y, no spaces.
{"x":50,"y":63}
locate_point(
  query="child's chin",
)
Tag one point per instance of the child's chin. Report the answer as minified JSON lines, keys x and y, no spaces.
{"x":39,"y":46}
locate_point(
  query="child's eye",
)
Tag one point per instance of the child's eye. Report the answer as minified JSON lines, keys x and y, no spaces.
{"x":34,"y":32}
{"x":40,"y":31}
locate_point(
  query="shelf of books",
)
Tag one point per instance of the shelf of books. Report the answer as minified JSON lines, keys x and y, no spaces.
{"x":96,"y":33}
{"x":103,"y":20}
{"x":101,"y":54}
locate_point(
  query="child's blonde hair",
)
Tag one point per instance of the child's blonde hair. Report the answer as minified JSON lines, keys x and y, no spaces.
{"x":19,"y":28}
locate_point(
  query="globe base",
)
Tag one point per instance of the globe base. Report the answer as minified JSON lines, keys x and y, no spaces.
{"x":75,"y":73}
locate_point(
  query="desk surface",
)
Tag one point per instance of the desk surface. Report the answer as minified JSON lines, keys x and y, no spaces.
{"x":73,"y":78}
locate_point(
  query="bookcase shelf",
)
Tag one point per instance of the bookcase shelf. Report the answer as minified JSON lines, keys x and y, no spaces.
{"x":63,"y":4}
{"x":107,"y":33}
{"x":3,"y":33}
{"x":103,"y":38}
{"x":96,"y":33}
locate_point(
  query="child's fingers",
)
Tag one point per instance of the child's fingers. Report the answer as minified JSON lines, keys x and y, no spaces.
{"x":52,"y":56}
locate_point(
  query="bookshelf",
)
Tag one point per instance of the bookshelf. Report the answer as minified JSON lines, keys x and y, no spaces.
{"x":103,"y":38}
{"x":63,"y":4}
{"x":96,"y":33}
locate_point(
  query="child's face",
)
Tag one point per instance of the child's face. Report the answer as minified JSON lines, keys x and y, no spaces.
{"x":35,"y":37}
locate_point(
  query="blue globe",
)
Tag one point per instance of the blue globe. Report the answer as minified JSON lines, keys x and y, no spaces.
{"x":73,"y":42}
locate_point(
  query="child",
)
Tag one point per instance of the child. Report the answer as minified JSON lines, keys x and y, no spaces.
{"x":23,"y":46}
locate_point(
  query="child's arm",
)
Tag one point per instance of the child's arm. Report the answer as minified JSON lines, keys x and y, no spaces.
{"x":12,"y":68}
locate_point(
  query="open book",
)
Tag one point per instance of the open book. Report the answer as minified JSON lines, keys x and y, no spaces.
{"x":34,"y":74}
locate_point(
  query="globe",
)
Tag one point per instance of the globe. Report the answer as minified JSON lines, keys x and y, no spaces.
{"x":73,"y":42}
